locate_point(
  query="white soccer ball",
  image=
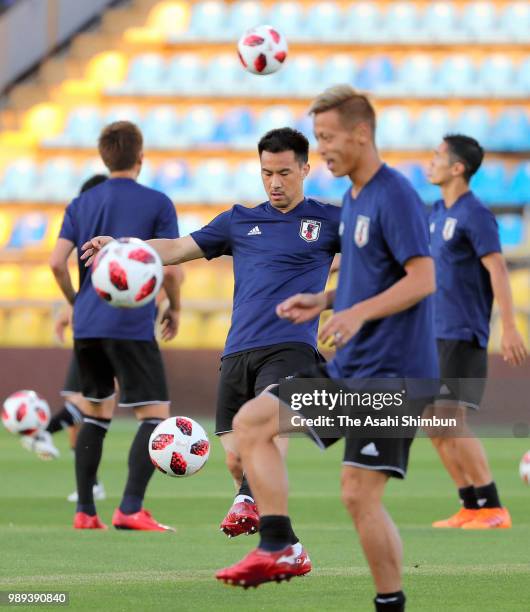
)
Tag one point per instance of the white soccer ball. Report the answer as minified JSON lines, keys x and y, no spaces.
{"x":127,"y":273}
{"x":25,"y":412}
{"x":524,"y":468}
{"x":179,"y":446}
{"x":262,"y":50}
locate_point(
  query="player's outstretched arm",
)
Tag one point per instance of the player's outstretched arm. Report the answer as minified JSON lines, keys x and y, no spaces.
{"x":304,"y":307}
{"x":418,"y":282}
{"x":512,"y":344}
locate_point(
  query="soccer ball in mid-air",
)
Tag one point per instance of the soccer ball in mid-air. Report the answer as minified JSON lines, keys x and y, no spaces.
{"x":262,"y":50}
{"x":25,"y":412}
{"x":127,"y":273}
{"x":524,"y":468}
{"x":179,"y":446}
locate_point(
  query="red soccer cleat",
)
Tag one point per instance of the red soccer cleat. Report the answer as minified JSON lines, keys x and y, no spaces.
{"x":85,"y":521}
{"x":242,"y":518}
{"x":140,"y":521}
{"x":261,"y":566}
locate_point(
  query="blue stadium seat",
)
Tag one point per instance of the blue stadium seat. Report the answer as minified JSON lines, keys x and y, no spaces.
{"x":339,"y":68}
{"x":511,"y":131}
{"x":237,"y":128}
{"x":431,"y":126}
{"x":244,"y":15}
{"x":456,"y":76}
{"x":126,"y":112}
{"x":376,"y":71}
{"x":197,"y":127}
{"x":289,"y":18}
{"x":185,"y":74}
{"x":523,"y":78}
{"x":416,"y":175}
{"x":490,"y":183}
{"x":520,"y":184}
{"x":323,"y":21}
{"x":189,"y":222}
{"x":414,"y":77}
{"x":222,"y":74}
{"x":59,"y":181}
{"x":480,"y":21}
{"x":147,"y":174}
{"x":19,"y":181}
{"x":321,"y":184}
{"x":174,"y":179}
{"x":82,"y":128}
{"x":363,"y":22}
{"x":304,"y":124}
{"x":511,"y":230}
{"x":247,"y":184}
{"x":497,"y":75}
{"x":209,"y":21}
{"x":301,"y":76}
{"x":440,"y":22}
{"x":515,"y":21}
{"x":394,"y":128}
{"x":474,"y":121}
{"x":402,"y":22}
{"x":161,"y":127}
{"x":89,"y":168}
{"x":274,"y":117}
{"x":146,"y":74}
{"x":213,"y":182}
{"x":28,"y":230}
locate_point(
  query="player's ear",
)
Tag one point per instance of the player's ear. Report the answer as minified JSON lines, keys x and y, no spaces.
{"x":305,"y":170}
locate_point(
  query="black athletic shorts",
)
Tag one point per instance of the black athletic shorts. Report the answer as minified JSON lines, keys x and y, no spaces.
{"x":461,"y":360}
{"x":388,"y":455}
{"x":136,"y":365}
{"x":245,"y":375}
{"x":72,"y":384}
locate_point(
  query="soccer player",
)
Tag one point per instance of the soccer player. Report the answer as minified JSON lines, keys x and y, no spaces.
{"x":470,"y":272}
{"x":382,"y":328}
{"x":114,"y":343}
{"x":280,"y":247}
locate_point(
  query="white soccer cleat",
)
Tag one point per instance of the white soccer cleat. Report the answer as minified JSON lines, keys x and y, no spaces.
{"x":41,"y":444}
{"x":98,"y":491}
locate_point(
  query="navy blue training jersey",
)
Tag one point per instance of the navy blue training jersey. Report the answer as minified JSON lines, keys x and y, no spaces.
{"x":460,"y":236}
{"x":381,"y":229}
{"x":276,"y":255}
{"x":118,"y":207}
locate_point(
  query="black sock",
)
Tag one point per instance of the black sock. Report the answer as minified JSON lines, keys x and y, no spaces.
{"x":275,"y":532}
{"x":244,"y":489}
{"x":88,"y":451}
{"x":68,"y":416}
{"x":468,"y":497}
{"x":390,"y":602}
{"x":140,"y":468}
{"x":487,"y":496}
{"x":96,"y":481}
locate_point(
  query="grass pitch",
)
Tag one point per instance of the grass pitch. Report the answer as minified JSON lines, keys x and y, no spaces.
{"x":119,"y":570}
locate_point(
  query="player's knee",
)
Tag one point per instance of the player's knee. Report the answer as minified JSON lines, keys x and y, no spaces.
{"x":357,"y":497}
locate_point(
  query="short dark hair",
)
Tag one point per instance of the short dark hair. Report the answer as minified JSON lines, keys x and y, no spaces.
{"x":93,"y":181}
{"x":285,"y":139}
{"x":466,"y":150}
{"x":120,"y":145}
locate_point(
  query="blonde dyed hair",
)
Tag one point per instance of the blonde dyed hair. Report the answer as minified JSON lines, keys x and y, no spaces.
{"x":352,"y":105}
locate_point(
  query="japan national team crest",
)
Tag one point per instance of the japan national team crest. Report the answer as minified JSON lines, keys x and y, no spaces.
{"x":310,"y":230}
{"x":362,"y":231}
{"x":449,"y":228}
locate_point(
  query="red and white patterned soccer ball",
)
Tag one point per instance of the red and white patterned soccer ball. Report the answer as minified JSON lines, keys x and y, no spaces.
{"x":179,"y":446}
{"x":127,"y":273}
{"x":524,"y":468}
{"x":25,"y":412}
{"x":262,"y":50}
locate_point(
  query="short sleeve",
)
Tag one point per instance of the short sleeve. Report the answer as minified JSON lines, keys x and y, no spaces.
{"x":166,"y":223}
{"x":483,"y":231}
{"x":68,"y":227}
{"x":404,"y":224}
{"x":214,"y":239}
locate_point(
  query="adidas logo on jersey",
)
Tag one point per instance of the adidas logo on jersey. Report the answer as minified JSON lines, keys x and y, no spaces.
{"x":255,"y":231}
{"x":370,"y":450}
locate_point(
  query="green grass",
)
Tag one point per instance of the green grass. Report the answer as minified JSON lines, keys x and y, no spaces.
{"x":117,"y":570}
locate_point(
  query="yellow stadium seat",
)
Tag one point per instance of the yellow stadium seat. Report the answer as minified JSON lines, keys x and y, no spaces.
{"x":169,"y":17}
{"x":27,"y":327}
{"x":200,"y":283}
{"x":215,"y":330}
{"x":39,"y":284}
{"x":106,"y":69}
{"x":3,"y":319}
{"x":44,"y":120}
{"x":520,"y":283}
{"x":189,"y":331}
{"x":55,"y":221}
{"x":10,"y":281}
{"x":6,"y":223}
{"x":226,"y":285}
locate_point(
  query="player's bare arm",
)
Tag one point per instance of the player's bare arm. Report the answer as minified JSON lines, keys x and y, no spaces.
{"x":59,"y":266}
{"x":171,"y":251}
{"x":417,"y":284}
{"x":173,"y":278}
{"x":512,"y":344}
{"x":304,"y":307}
